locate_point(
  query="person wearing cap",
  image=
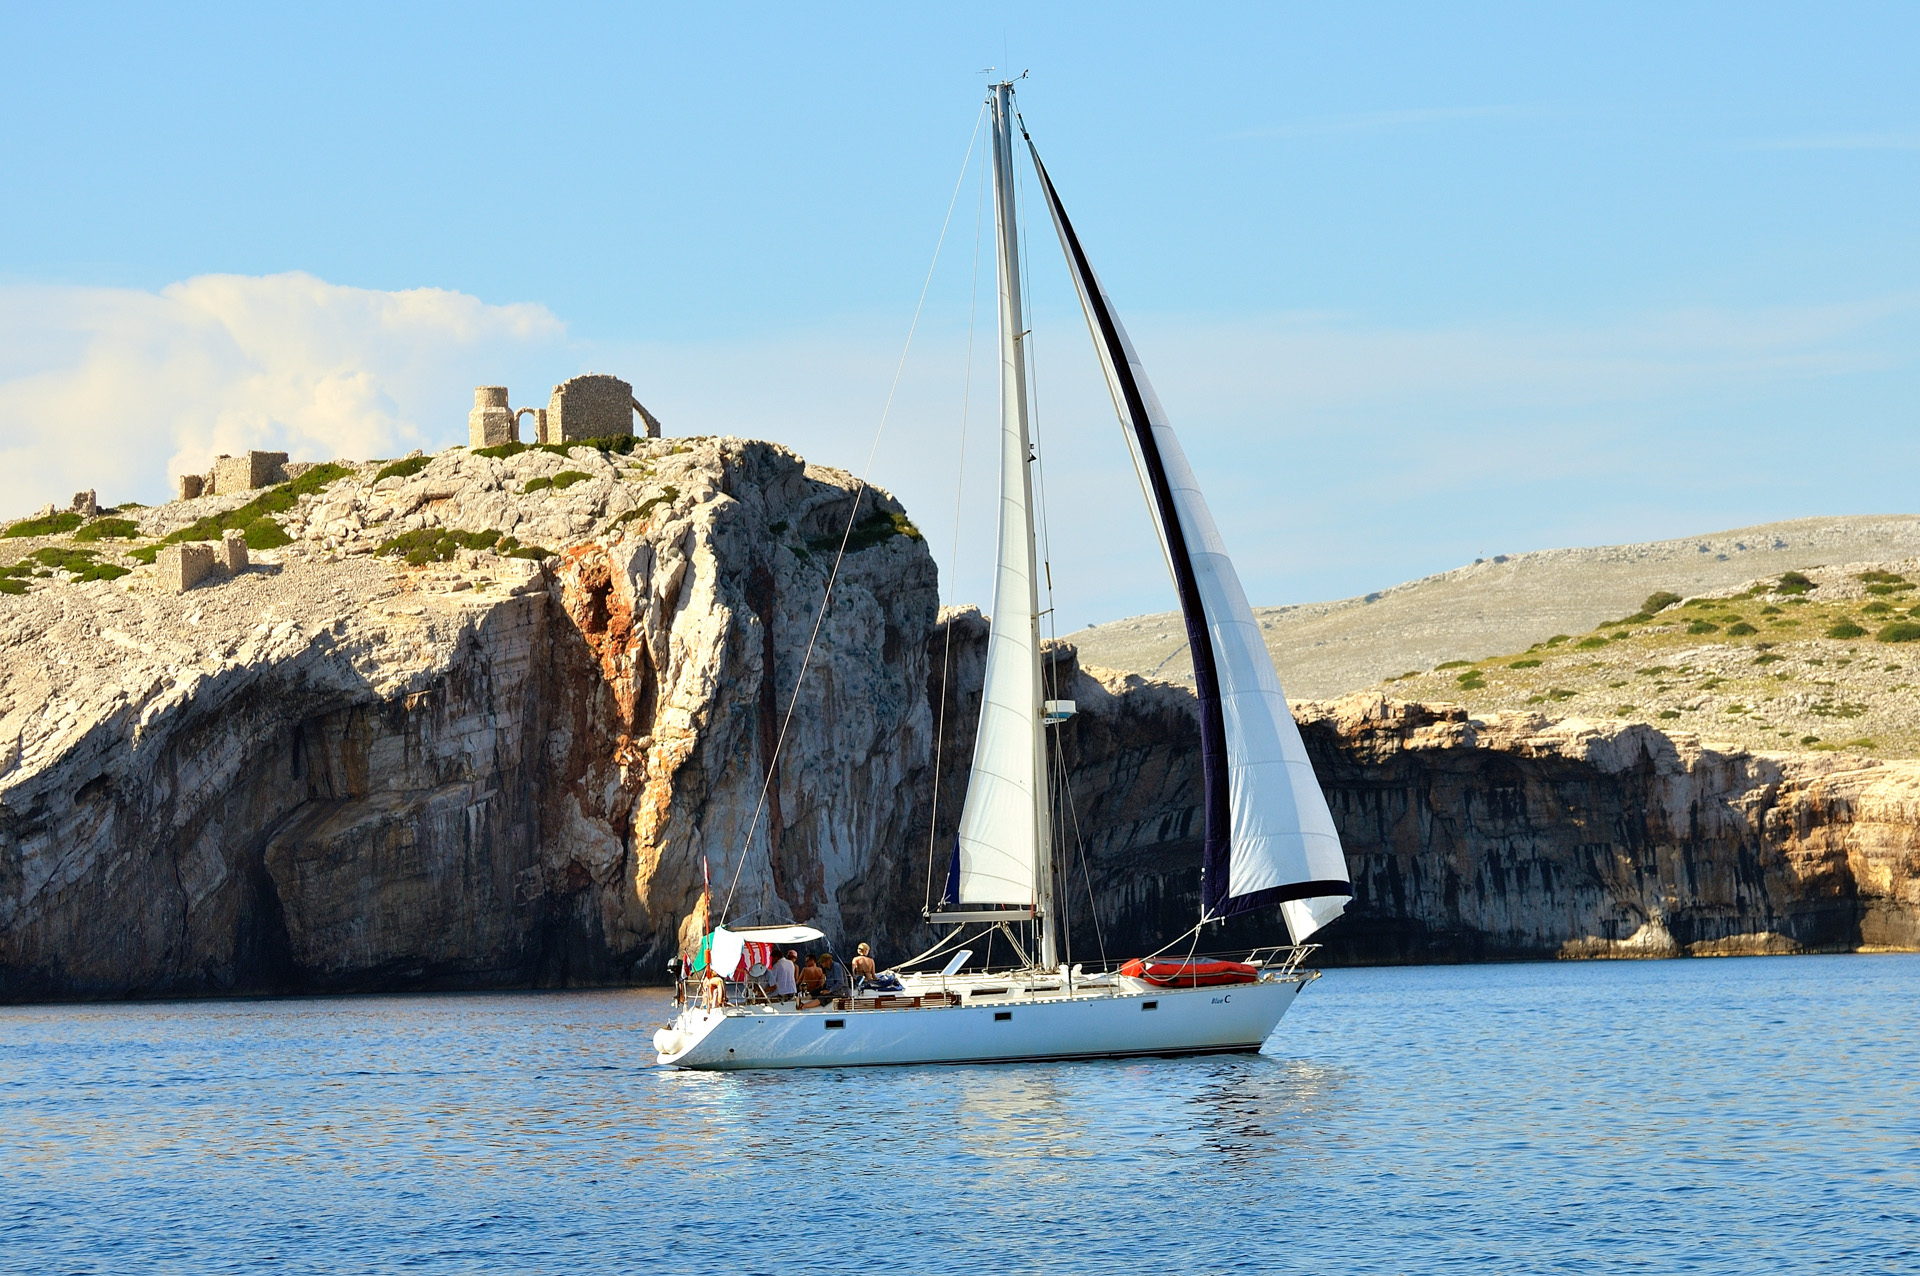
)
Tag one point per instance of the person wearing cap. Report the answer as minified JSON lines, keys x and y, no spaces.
{"x":835,"y":984}
{"x":783,"y":975}
{"x":863,"y":967}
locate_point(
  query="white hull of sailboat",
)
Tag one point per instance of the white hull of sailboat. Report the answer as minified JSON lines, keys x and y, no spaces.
{"x":1154,"y":1021}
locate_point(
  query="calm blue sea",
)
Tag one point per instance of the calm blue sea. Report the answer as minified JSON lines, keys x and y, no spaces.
{"x":1757,"y":1115}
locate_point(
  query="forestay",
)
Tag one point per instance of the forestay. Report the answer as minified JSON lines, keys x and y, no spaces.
{"x":1270,"y":838}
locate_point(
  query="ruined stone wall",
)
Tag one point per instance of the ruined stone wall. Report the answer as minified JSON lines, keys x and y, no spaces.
{"x":593,"y":406}
{"x":246,"y":472}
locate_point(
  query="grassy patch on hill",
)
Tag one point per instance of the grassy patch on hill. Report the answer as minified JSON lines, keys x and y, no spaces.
{"x":439,"y":544}
{"x":108,"y":529}
{"x":255,"y":518}
{"x":1760,"y":669}
{"x":403,"y":469}
{"x":613,"y":444}
{"x":876,"y":528}
{"x":665,"y":496}
{"x":557,"y":482}
{"x":49,"y":525}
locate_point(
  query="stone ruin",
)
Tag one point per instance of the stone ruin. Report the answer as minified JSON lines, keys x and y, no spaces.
{"x":183,"y":566}
{"x":232,"y":474}
{"x":593,"y":406}
{"x":85,"y":504}
{"x":491,"y":422}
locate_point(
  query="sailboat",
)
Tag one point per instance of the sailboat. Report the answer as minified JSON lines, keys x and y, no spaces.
{"x":1269,"y":838}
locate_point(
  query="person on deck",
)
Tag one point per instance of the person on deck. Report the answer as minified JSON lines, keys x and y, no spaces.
{"x":783,"y":975}
{"x":863,"y":967}
{"x":835,"y":984}
{"x":715,"y":990}
{"x":810,"y":981}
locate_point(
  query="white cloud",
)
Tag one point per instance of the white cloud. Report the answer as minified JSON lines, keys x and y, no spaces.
{"x":121,"y":389}
{"x":1340,"y":455}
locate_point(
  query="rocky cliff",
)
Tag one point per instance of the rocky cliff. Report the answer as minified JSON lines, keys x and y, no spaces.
{"x":1516,"y":836}
{"x":342,"y":770}
{"x":484,"y":718}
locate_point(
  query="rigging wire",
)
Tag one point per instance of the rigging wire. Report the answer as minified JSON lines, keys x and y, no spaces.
{"x":953,"y":575}
{"x":853,"y":514}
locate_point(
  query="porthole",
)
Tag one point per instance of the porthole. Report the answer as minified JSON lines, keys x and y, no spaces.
{"x":1149,"y":1005}
{"x":998,"y":1015}
{"x":836,"y":1023}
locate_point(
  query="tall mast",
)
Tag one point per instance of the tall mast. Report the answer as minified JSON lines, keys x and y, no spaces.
{"x":1017,"y":453}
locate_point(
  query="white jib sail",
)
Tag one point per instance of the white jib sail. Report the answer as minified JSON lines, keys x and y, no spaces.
{"x":1282,"y":833}
{"x":1002,"y":824}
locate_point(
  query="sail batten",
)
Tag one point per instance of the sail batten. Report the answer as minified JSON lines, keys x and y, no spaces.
{"x":1269,"y":837}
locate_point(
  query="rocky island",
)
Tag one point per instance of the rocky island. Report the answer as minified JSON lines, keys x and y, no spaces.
{"x":478,"y":719}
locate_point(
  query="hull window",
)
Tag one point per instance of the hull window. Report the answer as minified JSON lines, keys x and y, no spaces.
{"x":998,"y":1015}
{"x":1149,"y":1005}
{"x":836,"y":1023}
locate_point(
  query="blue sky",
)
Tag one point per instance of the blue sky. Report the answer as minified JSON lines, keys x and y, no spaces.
{"x":1417,"y":283}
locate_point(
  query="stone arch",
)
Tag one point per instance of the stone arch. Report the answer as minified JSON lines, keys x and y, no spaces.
{"x":539,"y":422}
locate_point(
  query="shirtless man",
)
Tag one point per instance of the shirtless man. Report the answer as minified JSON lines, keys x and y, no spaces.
{"x":714,"y":989}
{"x":810,"y":980}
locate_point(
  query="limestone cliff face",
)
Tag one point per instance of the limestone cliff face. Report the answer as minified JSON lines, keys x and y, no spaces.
{"x":337,"y":771}
{"x":1517,"y":837}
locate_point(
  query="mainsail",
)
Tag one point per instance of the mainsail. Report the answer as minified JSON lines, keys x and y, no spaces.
{"x":1269,"y":836}
{"x":1004,"y":834}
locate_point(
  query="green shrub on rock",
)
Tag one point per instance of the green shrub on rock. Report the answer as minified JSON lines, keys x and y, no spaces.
{"x":1845,"y":629}
{"x":265,"y":533}
{"x":1659,"y":602}
{"x":404,"y":469}
{"x":1793,"y":583}
{"x":1703,"y":627}
{"x":104,"y":528}
{"x":439,"y":544}
{"x":1740,"y":629}
{"x":275,"y":500}
{"x":881,"y":526}
{"x":567,"y":478}
{"x":66,"y":560}
{"x":51,"y":525}
{"x":1899,"y":631}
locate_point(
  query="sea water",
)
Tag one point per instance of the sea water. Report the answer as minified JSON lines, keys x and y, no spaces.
{"x":1743,"y":1115}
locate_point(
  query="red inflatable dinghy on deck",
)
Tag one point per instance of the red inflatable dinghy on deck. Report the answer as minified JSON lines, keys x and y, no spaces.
{"x":1191,"y":974}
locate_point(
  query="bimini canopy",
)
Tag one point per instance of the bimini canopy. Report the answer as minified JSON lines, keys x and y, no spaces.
{"x":788,"y":934}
